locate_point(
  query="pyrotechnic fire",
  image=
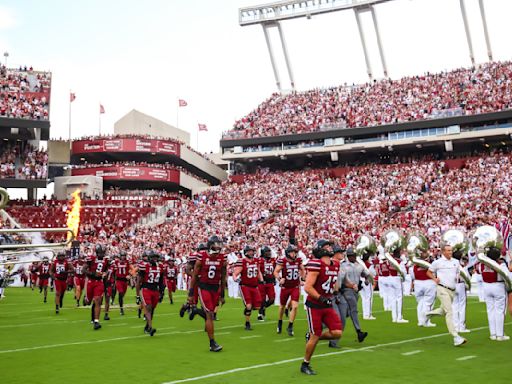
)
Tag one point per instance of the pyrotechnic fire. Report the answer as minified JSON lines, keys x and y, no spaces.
{"x":73,"y":214}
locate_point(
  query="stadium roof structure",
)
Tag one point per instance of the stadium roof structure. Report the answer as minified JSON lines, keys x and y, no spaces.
{"x":270,"y":16}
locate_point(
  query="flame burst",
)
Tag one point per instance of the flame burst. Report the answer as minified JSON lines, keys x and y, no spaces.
{"x":73,"y":214}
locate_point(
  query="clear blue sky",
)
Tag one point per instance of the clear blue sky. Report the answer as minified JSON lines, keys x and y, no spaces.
{"x":145,"y":54}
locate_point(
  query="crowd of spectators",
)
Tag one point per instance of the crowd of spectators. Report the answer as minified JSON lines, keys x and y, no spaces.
{"x":24,"y":93}
{"x":464,"y":91}
{"x":28,"y":163}
{"x":272,"y":208}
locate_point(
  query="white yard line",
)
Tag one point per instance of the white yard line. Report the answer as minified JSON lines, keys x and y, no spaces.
{"x":296,"y":359}
{"x":411,"y":353}
{"x":283,"y":340}
{"x":249,"y":337}
{"x":464,"y":358}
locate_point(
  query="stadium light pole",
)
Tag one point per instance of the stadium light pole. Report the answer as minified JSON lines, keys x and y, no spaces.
{"x":270,"y":15}
{"x":468,"y":32}
{"x":486,"y":31}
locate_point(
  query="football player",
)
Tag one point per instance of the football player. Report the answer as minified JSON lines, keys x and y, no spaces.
{"x":59,"y":271}
{"x":96,"y":269}
{"x":210,"y":277}
{"x":79,"y":278}
{"x":247,"y":270}
{"x":267,"y":287}
{"x":150,"y":287}
{"x":191,"y":262}
{"x":121,"y":274}
{"x":322,"y":274}
{"x":289,"y":272}
{"x":171,"y":277}
{"x":44,"y":274}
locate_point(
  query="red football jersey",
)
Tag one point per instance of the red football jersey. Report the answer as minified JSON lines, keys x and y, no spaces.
{"x":151,"y":275}
{"x":267,"y":267}
{"x":44,"y":270}
{"x":249,"y":274}
{"x":211,"y":268}
{"x":171,"y":272}
{"x":122,"y":269}
{"x":78,"y":267}
{"x":326,"y":279}
{"x":60,"y":269}
{"x":96,"y":266}
{"x":290,"y":271}
{"x":420,"y":273}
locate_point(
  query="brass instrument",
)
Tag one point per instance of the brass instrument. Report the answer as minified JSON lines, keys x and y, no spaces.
{"x":460,"y":246}
{"x":4,"y":199}
{"x":392,"y":240}
{"x":365,"y":245}
{"x":484,"y":239}
{"x":417,"y":249}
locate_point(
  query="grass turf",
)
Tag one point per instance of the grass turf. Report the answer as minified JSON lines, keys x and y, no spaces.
{"x":37,"y":346}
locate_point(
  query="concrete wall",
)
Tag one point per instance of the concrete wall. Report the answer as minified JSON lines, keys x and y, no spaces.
{"x":58,"y":152}
{"x":66,"y":185}
{"x":192,"y":183}
{"x":200,"y":162}
{"x":138,"y":123}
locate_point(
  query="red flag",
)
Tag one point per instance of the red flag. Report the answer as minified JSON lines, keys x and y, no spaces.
{"x":202,"y":127}
{"x":102,"y":109}
{"x":72,"y":97}
{"x":182,"y":103}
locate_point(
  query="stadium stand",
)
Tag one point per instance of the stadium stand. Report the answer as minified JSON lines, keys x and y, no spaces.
{"x":24,"y":93}
{"x":28,"y":163}
{"x":465,"y":91}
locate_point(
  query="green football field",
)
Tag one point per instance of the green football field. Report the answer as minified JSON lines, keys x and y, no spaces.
{"x":37,"y":346}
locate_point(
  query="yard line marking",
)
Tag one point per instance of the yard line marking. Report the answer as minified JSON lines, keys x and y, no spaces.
{"x":411,"y":353}
{"x":283,"y":340}
{"x":465,"y":358}
{"x":121,"y":338}
{"x":161,"y":329}
{"x":281,"y":362}
{"x":249,"y":337}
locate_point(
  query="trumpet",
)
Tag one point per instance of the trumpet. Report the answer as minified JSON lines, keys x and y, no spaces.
{"x":460,"y":246}
{"x":365,"y":246}
{"x":393,"y":241}
{"x":488,"y":240}
{"x":417,"y":248}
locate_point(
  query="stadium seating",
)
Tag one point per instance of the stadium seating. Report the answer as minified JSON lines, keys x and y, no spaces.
{"x":24,"y":93}
{"x":465,"y":91}
{"x":29,"y":163}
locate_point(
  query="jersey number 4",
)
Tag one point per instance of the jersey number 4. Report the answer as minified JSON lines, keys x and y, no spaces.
{"x":329,"y":284}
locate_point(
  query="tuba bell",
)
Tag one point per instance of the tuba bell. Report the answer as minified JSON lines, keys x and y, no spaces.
{"x":488,"y":243}
{"x":417,"y":249}
{"x":366,"y":247}
{"x":460,"y":247}
{"x":393,"y":242}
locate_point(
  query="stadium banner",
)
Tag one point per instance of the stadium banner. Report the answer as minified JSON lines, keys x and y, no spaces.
{"x":131,"y":173}
{"x":166,"y":147}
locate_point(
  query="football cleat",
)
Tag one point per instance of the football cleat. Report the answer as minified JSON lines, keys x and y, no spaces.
{"x":306,"y":369}
{"x":121,"y":311}
{"x":152,"y":331}
{"x":260,"y":317}
{"x":279,"y":329}
{"x":502,"y":338}
{"x":214,"y":347}
{"x":290,"y":331}
{"x":97,"y":325}
{"x":248,"y":327}
{"x":333,"y":345}
{"x":106,"y":317}
{"x":458,"y":341}
{"x":146,"y":329}
{"x":183,"y":309}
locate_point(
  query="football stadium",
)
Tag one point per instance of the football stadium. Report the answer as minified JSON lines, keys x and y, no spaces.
{"x":184,"y":198}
